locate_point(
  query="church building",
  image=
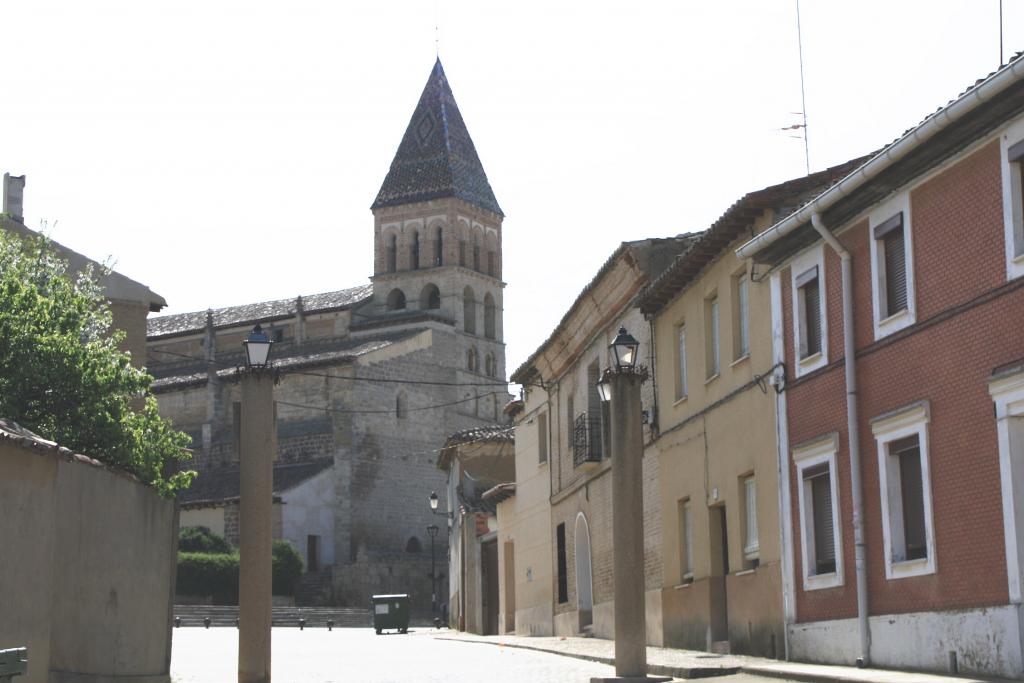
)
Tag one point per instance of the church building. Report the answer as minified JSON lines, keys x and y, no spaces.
{"x":373,"y":378}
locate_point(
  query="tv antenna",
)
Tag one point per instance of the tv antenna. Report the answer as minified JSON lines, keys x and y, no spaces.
{"x":803,"y":95}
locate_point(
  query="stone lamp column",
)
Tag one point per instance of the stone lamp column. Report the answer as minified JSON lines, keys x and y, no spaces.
{"x":255,"y":530}
{"x":621,"y":386}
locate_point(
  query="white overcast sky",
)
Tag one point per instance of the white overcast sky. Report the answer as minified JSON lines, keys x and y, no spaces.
{"x":228,"y":152}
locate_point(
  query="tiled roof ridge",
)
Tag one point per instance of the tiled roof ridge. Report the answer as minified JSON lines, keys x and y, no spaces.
{"x":192,"y":321}
{"x":491,"y":432}
{"x":15,"y":433}
{"x":824,"y":178}
{"x":436,"y":157}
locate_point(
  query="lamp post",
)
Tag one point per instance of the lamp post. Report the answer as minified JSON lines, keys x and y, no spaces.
{"x":620,"y":385}
{"x":256,"y":458}
{"x":432,"y":532}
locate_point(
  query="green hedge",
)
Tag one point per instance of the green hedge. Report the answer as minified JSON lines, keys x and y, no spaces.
{"x":199,"y":539}
{"x":216,"y":574}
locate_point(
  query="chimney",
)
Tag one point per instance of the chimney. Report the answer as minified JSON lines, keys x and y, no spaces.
{"x":14,"y":192}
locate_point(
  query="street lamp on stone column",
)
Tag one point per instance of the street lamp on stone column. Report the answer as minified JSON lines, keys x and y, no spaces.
{"x":620,"y":385}
{"x":432,"y":532}
{"x":256,"y":460}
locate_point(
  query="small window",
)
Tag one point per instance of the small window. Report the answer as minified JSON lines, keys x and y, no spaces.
{"x":741,"y":313}
{"x":471,"y":359}
{"x":905,"y":491}
{"x":570,"y":425}
{"x":542,"y":438}
{"x":751,"y":546}
{"x":492,"y":264}
{"x":489,"y":316}
{"x":414,"y":251}
{"x":818,"y":489}
{"x":685,"y":541}
{"x":490,"y":366}
{"x":277,"y":334}
{"x":401,"y":409}
{"x":476,"y":254}
{"x":462,"y":252}
{"x":396,"y":300}
{"x":711,"y":336}
{"x":809,"y":297}
{"x":391,"y":254}
{"x":891,"y":268}
{"x":681,"y":388}
{"x":469,"y":311}
{"x":413,"y":545}
{"x":438,"y":248}
{"x":563,"y":576}
{"x":430,"y":297}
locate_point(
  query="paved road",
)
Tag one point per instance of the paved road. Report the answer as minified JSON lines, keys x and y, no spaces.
{"x":360,"y":656}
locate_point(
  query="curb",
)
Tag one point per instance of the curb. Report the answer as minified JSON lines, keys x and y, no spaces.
{"x":656,"y":669}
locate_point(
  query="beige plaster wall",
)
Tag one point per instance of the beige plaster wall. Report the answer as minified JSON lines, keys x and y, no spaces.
{"x":88,"y":566}
{"x":705,"y":452}
{"x":212,"y":518}
{"x":27,"y":519}
{"x":526,"y":521}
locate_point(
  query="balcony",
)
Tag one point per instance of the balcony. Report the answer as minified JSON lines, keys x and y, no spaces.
{"x":587,"y":442}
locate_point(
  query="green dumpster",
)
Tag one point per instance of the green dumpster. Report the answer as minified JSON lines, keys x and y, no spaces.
{"x":391,"y":611}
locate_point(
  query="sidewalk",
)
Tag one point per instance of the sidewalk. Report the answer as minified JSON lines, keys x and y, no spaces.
{"x":694,"y":664}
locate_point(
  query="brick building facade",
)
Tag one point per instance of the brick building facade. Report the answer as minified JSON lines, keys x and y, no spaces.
{"x":372,"y":378}
{"x":929,"y":230}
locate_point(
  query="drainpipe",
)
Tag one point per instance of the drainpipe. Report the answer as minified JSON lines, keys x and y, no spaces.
{"x":853,"y":438}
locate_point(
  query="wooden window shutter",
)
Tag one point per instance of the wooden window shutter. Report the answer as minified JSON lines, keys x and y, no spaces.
{"x":894,"y":248}
{"x":820,"y":480}
{"x":812,"y":316}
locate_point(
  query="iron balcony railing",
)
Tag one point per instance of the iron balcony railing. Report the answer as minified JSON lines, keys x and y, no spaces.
{"x":586,"y":440}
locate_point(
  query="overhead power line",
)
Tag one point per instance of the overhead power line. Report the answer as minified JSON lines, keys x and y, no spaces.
{"x":384,"y":380}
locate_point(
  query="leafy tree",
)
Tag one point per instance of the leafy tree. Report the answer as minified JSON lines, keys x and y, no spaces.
{"x":63,"y":376}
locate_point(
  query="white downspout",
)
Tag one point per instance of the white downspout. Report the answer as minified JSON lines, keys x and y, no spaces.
{"x":853,"y":438}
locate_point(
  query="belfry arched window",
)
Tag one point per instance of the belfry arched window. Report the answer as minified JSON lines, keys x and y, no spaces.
{"x":438,"y":248}
{"x":391,"y":254}
{"x":469,"y":310}
{"x":489,"y":316}
{"x":414,"y":252}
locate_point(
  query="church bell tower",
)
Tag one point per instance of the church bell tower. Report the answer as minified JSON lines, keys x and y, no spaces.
{"x":437,"y":233}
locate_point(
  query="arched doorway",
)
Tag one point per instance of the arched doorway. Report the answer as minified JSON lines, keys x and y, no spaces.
{"x":584,"y":573}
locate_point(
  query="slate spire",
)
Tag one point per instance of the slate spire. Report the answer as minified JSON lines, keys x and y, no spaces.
{"x":436,"y":157}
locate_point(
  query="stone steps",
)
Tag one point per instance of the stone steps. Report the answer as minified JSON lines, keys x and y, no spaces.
{"x":314,"y":589}
{"x":316,"y":617}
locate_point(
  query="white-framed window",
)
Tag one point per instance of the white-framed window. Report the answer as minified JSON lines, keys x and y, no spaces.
{"x":1007,"y":392}
{"x":681,"y":386}
{"x":818,"y":491}
{"x":892,"y":266}
{"x":904,"y":483}
{"x":810,"y":324}
{"x":751,"y":546}
{"x":741,"y":315}
{"x":711,"y":336}
{"x":1011,"y":146}
{"x":685,"y":510}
